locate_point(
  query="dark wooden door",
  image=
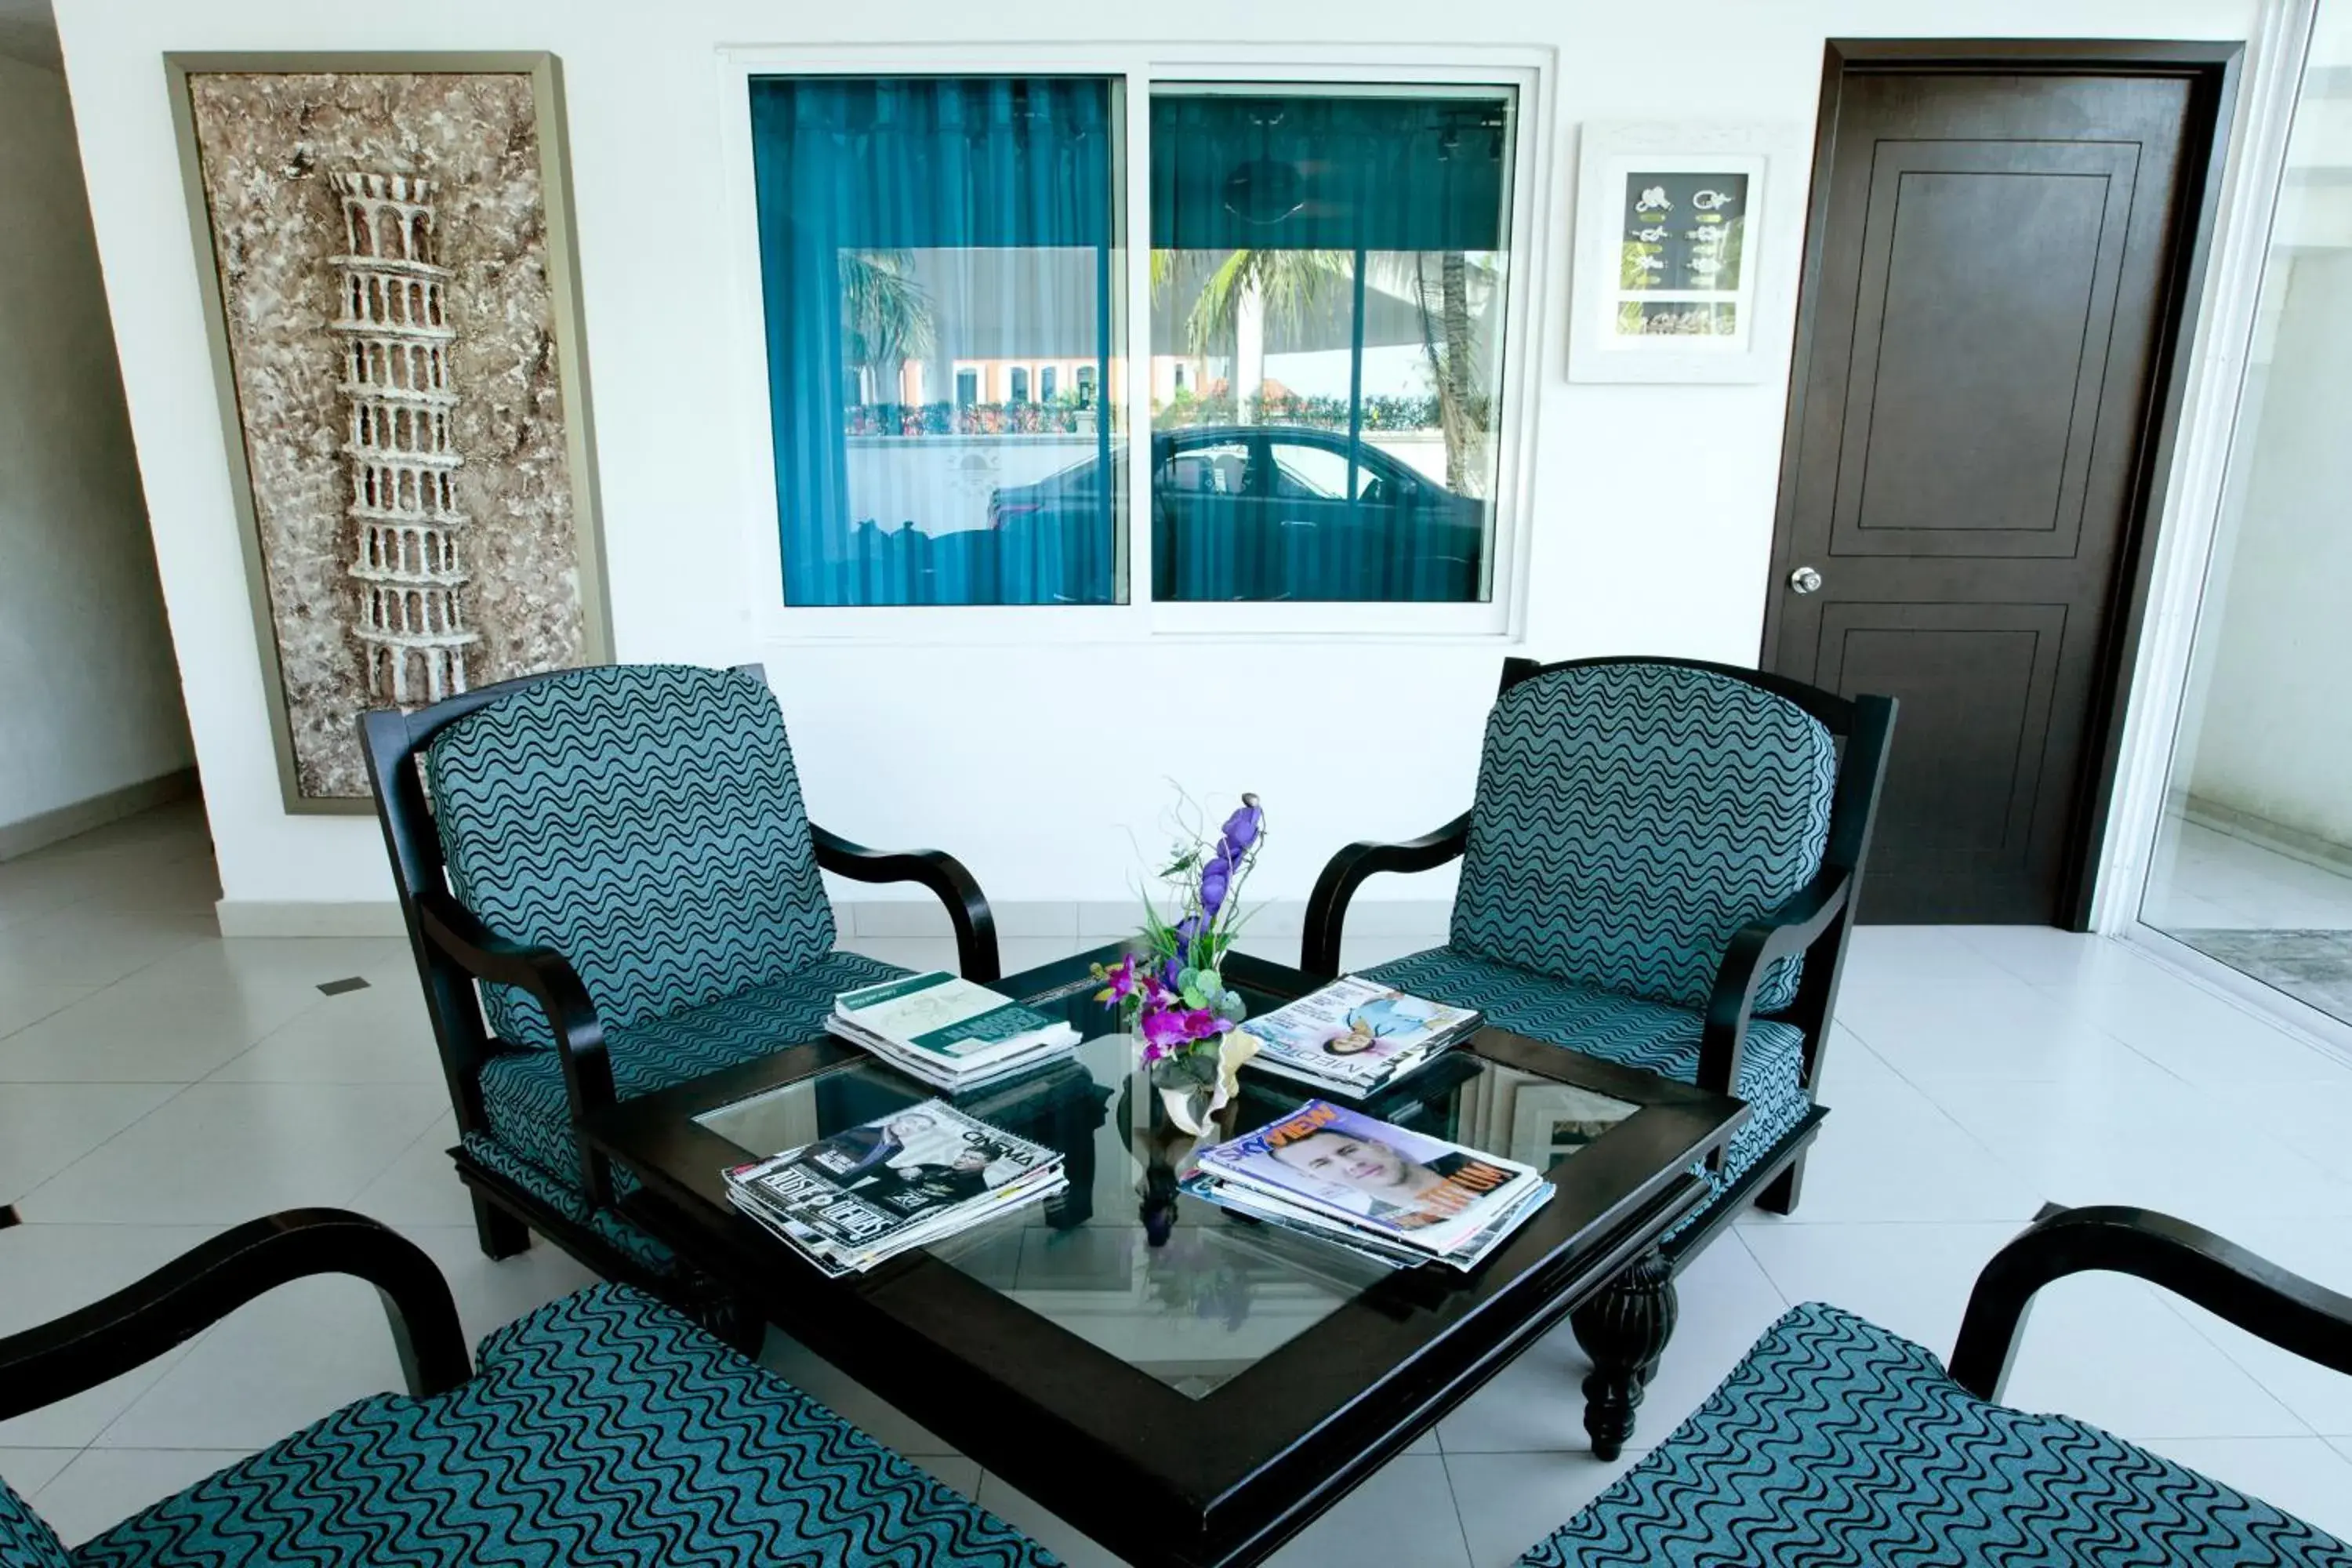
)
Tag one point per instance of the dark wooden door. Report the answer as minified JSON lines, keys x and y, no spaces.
{"x":1991,"y":296}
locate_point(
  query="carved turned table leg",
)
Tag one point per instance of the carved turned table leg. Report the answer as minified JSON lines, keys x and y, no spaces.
{"x":1624,"y":1330}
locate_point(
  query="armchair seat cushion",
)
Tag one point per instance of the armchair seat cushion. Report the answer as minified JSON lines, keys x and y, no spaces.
{"x":1627,"y":1030}
{"x":1835,"y":1442}
{"x":522,"y":1091}
{"x":601,"y":1428}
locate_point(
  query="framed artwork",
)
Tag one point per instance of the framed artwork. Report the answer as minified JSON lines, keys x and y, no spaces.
{"x":391,"y":296}
{"x":1550,"y":1121}
{"x":1675,"y":278}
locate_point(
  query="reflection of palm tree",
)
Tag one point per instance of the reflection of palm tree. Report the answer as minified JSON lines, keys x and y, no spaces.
{"x":885,"y":316}
{"x":1245,"y":292}
{"x":1450,"y":344}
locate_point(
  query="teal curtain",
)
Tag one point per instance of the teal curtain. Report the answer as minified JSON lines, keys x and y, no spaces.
{"x":1015,"y":175}
{"x":1320,"y":498}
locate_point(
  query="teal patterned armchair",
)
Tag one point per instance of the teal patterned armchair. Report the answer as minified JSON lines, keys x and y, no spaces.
{"x":618,"y":859}
{"x":1835,"y":1443}
{"x":602,"y":1428}
{"x":1659,"y":868}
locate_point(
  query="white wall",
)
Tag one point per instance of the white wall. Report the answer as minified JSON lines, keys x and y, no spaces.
{"x":90,"y":699}
{"x":2276,"y":736}
{"x":1026,"y":758}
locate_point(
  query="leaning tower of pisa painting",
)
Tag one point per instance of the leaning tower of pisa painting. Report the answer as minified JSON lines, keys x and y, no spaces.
{"x":398,"y":329}
{"x":393,"y":322}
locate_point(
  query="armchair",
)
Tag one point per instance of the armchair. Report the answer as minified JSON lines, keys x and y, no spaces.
{"x":610,"y":885}
{"x":602,"y":1427}
{"x":1660,"y":869}
{"x":1836,"y":1442}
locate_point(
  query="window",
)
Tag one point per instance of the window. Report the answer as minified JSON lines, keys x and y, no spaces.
{"x":947,"y":273}
{"x":1334,"y":263}
{"x":940,"y":222}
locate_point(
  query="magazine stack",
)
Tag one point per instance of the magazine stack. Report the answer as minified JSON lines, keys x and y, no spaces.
{"x":1354,"y":1037}
{"x":1378,"y":1190}
{"x":948,"y":1032}
{"x":900,"y":1181}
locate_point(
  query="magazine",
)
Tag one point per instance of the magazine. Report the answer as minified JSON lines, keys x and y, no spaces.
{"x":1404,"y":1187}
{"x":1356,"y":1034}
{"x":1358,"y":1239}
{"x":948,"y":1031}
{"x":876,"y":1189}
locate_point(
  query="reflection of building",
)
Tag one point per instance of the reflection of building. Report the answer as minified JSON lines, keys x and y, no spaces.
{"x":1021,"y":326}
{"x":394,"y":318}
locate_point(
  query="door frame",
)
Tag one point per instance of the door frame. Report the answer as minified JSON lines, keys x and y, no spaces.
{"x":2212,"y":70}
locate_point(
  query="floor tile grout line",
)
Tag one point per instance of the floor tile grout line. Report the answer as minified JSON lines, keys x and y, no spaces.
{"x":156,"y":1109}
{"x":1452,"y":1495}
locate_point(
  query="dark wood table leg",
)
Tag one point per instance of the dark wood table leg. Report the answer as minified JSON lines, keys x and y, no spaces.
{"x":1624,"y":1330}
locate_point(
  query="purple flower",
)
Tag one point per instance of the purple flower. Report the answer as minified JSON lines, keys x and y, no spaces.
{"x":1187,"y":929}
{"x":1242,"y":828}
{"x":1123,"y":981}
{"x":1216,"y":878}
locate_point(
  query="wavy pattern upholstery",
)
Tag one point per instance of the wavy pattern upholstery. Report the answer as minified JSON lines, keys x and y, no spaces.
{"x":25,"y":1538}
{"x":602,"y":1430}
{"x":1631,"y":817}
{"x":643,"y":820}
{"x":1835,"y":1443}
{"x":1626,"y":1030}
{"x":523,"y":1095}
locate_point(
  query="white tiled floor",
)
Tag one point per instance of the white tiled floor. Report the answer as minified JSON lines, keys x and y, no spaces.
{"x":2214,"y":881}
{"x":157,"y":1083}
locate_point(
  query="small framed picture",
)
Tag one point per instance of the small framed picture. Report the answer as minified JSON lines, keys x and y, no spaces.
{"x":1675,"y":276}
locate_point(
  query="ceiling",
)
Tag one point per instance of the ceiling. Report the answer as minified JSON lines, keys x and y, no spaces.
{"x":28,"y":32}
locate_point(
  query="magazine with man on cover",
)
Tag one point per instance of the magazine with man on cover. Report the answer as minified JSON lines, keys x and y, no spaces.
{"x":1393,"y":1180}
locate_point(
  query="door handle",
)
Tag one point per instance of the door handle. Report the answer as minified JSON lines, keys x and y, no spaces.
{"x":1805,"y":580}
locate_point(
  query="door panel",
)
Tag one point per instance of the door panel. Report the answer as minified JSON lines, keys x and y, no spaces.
{"x":1953,"y":226}
{"x":1961,"y":795}
{"x":1990,"y":295}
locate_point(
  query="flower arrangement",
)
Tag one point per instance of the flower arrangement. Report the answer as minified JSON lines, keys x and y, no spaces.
{"x":1171,"y":987}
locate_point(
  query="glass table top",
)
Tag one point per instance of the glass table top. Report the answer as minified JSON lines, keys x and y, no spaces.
{"x":1174,"y":1287}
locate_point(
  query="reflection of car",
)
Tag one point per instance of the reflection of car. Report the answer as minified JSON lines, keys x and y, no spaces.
{"x":1270,"y":511}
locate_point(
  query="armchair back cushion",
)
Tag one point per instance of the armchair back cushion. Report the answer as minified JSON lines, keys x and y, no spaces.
{"x":25,"y":1539}
{"x":1631,"y":817}
{"x":646,"y":822}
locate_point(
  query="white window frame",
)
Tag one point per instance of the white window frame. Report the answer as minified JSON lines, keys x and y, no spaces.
{"x":1500,"y":619}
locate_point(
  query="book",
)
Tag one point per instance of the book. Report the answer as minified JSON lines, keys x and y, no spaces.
{"x":947,"y":1031}
{"x":1407,"y":1191}
{"x":873,"y":1191}
{"x":1356,"y":1036}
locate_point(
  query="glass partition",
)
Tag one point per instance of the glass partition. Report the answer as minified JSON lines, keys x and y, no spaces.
{"x":2253,"y":863}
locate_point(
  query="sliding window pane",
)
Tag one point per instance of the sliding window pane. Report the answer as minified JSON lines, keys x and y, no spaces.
{"x":941,"y":263}
{"x":1327,"y":285}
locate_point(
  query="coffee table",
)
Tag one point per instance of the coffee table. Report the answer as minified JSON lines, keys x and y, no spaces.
{"x":1189,"y":1388}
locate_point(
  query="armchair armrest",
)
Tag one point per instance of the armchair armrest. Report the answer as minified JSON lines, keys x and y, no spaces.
{"x":198,"y":1290}
{"x":943,"y":874}
{"x":548,"y":977}
{"x":2256,"y":1294}
{"x":1754,"y":948}
{"x":1326,"y":907}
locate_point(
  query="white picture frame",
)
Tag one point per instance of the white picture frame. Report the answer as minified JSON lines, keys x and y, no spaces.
{"x":1682,"y":250}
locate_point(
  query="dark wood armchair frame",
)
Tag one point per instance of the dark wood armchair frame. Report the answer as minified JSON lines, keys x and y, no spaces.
{"x":78,"y":1351}
{"x":2248,"y":1291}
{"x":1814,"y":921}
{"x":454,"y":951}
